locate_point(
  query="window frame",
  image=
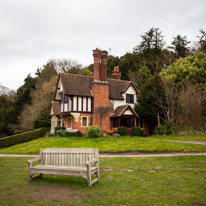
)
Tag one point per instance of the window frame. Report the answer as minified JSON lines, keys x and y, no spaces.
{"x":83,"y":121}
{"x":128,"y":98}
{"x":66,"y":95}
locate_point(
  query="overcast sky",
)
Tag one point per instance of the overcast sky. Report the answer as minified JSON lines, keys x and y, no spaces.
{"x":33,"y":32}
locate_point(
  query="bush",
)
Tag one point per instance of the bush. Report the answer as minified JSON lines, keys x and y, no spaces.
{"x":58,"y":128}
{"x":167,"y":128}
{"x":79,"y":134}
{"x":110,"y":132}
{"x":136,"y":131}
{"x":93,"y":131}
{"x":69,"y":134}
{"x":23,"y":137}
{"x":122,"y":131}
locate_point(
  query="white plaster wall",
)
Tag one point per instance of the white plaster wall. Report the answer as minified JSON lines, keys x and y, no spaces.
{"x":75,"y":103}
{"x":80,"y":103}
{"x":130,"y":90}
{"x":128,"y":112}
{"x":70,"y":104}
{"x":89,"y":104}
{"x":84,"y":104}
{"x":65,"y":107}
{"x":58,"y":96}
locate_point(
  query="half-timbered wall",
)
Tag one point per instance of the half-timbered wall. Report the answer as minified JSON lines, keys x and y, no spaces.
{"x":76,"y":104}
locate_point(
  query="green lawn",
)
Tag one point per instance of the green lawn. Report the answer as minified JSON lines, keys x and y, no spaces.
{"x":197,"y":137}
{"x":147,"y":181}
{"x":105,"y":144}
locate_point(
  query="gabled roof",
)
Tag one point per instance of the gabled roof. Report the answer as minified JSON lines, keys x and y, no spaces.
{"x":55,"y":107}
{"x":119,"y":111}
{"x":81,"y":85}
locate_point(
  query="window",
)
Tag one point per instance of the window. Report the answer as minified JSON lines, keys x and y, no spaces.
{"x":58,"y":121}
{"x":84,"y":121}
{"x":130,"y":98}
{"x":115,"y":122}
{"x":66,"y":98}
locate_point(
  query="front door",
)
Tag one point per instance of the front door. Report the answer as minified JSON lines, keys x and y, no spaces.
{"x":69,"y":123}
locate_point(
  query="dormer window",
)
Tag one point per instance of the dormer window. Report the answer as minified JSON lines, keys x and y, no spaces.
{"x":130,"y":98}
{"x":65,"y":98}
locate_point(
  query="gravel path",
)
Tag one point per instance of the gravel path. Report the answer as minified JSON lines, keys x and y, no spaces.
{"x":120,"y":154}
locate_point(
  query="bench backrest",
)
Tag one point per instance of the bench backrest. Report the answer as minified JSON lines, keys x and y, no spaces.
{"x":68,"y":156}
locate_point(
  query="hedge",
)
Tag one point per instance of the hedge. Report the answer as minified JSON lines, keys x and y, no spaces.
{"x":122,"y":131}
{"x":23,"y":137}
{"x":136,"y":131}
{"x":58,"y":128}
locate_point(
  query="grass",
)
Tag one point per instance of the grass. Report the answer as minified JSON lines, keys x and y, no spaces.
{"x":105,"y":144}
{"x":197,"y":137}
{"x":179,"y":180}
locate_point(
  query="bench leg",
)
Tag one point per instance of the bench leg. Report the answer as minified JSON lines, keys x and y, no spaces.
{"x":97,"y":175}
{"x":89,"y":176}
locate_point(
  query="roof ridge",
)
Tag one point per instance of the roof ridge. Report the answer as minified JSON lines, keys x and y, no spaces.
{"x":76,"y":74}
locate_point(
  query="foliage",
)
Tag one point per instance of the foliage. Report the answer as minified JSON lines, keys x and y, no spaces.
{"x":136,"y":131}
{"x":58,"y":128}
{"x":191,"y":68}
{"x":43,"y":119}
{"x":64,"y":133}
{"x":93,"y":131}
{"x":78,"y":134}
{"x":167,"y":128}
{"x":110,"y":132}
{"x":146,"y":108}
{"x":202,"y":41}
{"x":23,"y":137}
{"x":150,"y":49}
{"x":122,"y":131}
{"x":180,"y":45}
{"x":112,"y":61}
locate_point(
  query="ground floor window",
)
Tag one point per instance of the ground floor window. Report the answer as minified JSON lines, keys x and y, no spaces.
{"x":58,"y":122}
{"x":84,"y":121}
{"x":115,"y":122}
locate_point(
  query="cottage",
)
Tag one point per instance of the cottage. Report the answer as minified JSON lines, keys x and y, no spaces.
{"x":81,"y":101}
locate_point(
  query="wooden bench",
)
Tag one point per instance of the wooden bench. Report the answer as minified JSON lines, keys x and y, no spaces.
{"x":67,"y":161}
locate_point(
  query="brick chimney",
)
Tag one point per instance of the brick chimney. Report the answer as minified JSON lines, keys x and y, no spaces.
{"x":116,"y":74}
{"x":104,"y":57}
{"x":102,"y":106}
{"x":96,"y":55}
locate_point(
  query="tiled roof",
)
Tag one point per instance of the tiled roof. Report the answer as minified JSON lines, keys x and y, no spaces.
{"x":56,"y":107}
{"x":121,"y":109}
{"x":81,"y":85}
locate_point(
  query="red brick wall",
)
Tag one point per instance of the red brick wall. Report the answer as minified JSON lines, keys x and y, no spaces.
{"x":103,"y":108}
{"x":78,"y":125}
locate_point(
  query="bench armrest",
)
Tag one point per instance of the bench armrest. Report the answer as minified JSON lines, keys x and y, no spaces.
{"x":34,"y":160}
{"x":92,"y":161}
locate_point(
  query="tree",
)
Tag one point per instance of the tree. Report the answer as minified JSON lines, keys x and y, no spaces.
{"x":191,"y":68}
{"x":180,"y":45}
{"x":150,"y":49}
{"x":202,"y":41}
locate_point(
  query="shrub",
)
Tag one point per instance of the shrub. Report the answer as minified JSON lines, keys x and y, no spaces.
{"x":79,"y":134}
{"x":93,"y":131}
{"x":122,"y":131}
{"x":23,"y":137}
{"x":58,"y":128}
{"x":167,"y":128}
{"x":110,"y":132}
{"x":69,"y":134}
{"x":136,"y":131}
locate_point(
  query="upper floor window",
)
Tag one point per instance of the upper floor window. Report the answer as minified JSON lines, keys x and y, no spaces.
{"x":66,"y":97}
{"x":130,"y":98}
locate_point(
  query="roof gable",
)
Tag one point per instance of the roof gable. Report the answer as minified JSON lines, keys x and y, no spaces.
{"x":119,"y":111}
